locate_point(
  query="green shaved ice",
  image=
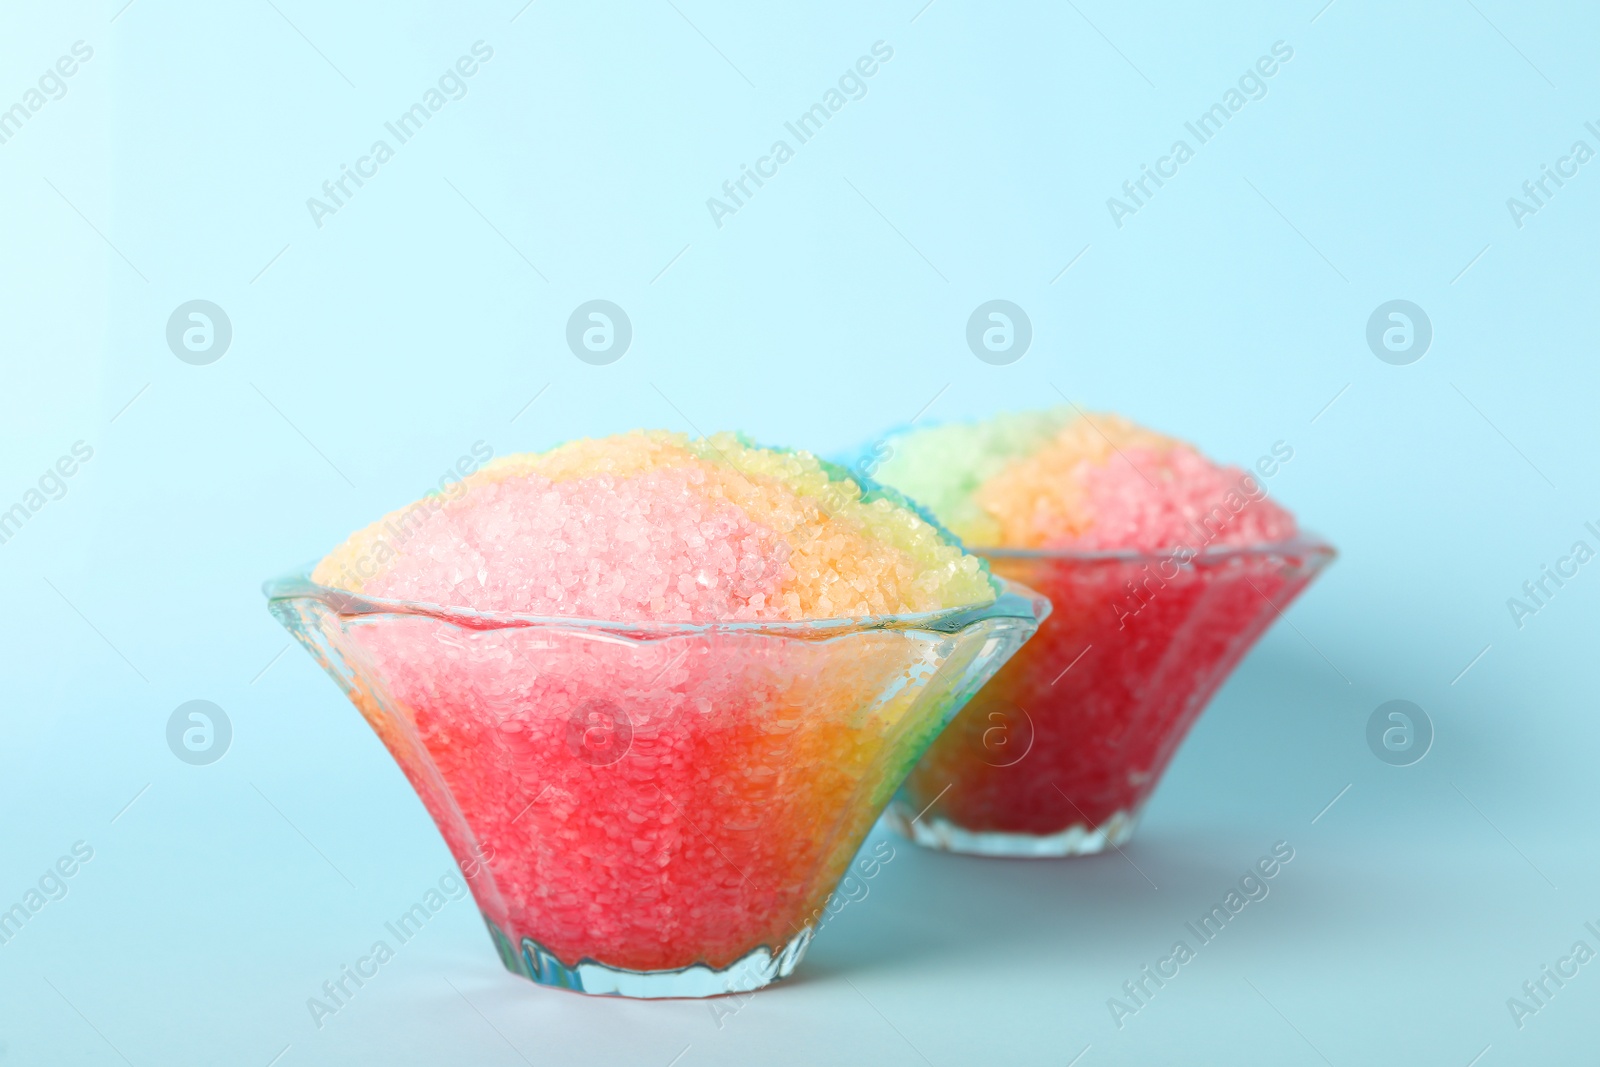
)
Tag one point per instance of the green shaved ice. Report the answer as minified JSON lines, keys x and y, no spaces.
{"x":941,"y":467}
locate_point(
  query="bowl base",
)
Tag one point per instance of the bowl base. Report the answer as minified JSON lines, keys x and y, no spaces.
{"x":1079,"y":839}
{"x":760,"y":967}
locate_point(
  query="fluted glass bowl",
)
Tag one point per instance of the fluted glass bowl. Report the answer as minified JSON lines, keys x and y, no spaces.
{"x":1059,"y":752}
{"x":652,"y":809}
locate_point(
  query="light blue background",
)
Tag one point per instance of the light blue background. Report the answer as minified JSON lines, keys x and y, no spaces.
{"x":374,"y":351}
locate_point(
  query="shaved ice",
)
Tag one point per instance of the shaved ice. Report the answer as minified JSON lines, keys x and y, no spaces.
{"x":653,"y":525}
{"x":1060,"y":479}
{"x":1162,"y":567}
{"x":655,"y":691}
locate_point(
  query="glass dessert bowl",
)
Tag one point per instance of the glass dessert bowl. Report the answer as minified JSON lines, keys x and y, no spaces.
{"x":1163,"y":567}
{"x":644,"y":808}
{"x":1059,"y":752}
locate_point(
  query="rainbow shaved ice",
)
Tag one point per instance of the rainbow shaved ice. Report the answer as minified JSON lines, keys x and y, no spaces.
{"x":1162,"y":567}
{"x":1059,"y":479}
{"x":605,"y":669}
{"x":653,"y":525}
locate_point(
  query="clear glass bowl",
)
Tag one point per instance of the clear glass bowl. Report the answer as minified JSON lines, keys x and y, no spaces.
{"x":652,"y":809}
{"x":1059,"y":752}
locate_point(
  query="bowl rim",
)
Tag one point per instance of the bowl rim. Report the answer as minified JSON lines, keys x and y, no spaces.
{"x":1013,"y":600}
{"x":1303,"y":543}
